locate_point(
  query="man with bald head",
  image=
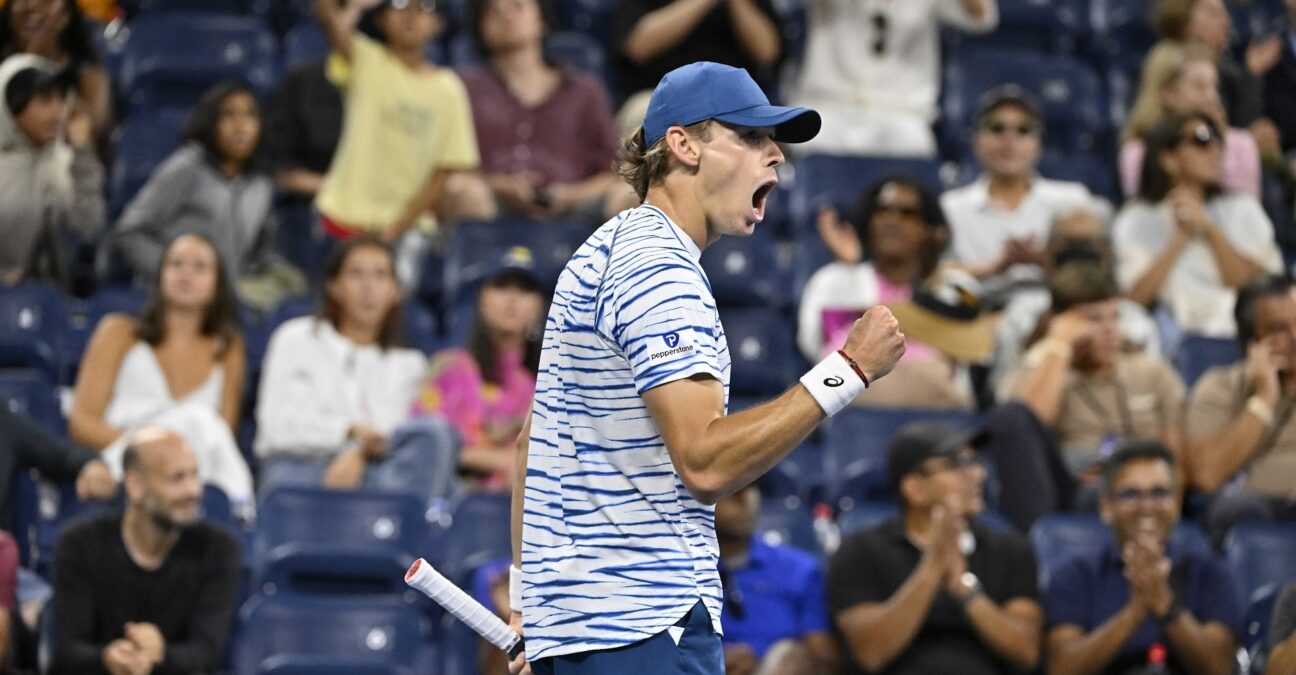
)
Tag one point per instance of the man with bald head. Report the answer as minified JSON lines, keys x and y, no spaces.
{"x":152,"y":588}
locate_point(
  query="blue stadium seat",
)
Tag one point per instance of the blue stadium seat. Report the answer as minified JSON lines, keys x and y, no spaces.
{"x":422,"y":330}
{"x":1053,"y":27}
{"x":761,"y":346}
{"x":855,"y":448}
{"x":1059,"y":537}
{"x":1097,"y":174}
{"x":578,"y":50}
{"x":85,"y":317}
{"x":313,"y":541}
{"x":303,"y":42}
{"x":213,"y":6}
{"x":1255,"y":629}
{"x":787,"y":523}
{"x":1122,"y":33}
{"x":865,"y":515}
{"x":1197,"y":354}
{"x":288,"y":309}
{"x":478,"y":532}
{"x":585,"y":16}
{"x":475,"y":249}
{"x":171,"y":58}
{"x":745,"y":272}
{"x":1074,"y":107}
{"x":299,"y":635}
{"x":33,"y":323}
{"x":142,"y":141}
{"x":30,"y":393}
{"x":1261,"y":554}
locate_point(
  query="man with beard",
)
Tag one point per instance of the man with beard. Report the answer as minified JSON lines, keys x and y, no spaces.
{"x":151,"y":588}
{"x":1140,"y":599}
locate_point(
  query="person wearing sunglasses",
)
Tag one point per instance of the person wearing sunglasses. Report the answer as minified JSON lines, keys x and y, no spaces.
{"x":1001,"y":220}
{"x":1107,"y":609}
{"x":932,"y":590}
{"x":873,"y":67}
{"x":1185,"y":241}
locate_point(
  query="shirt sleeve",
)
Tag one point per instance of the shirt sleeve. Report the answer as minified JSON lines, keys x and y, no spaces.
{"x":1068,"y":597}
{"x":1251,"y":233}
{"x":1133,"y":257}
{"x":208,"y":629}
{"x":366,"y":55}
{"x":143,"y":225}
{"x":1212,"y":406}
{"x":8,"y":572}
{"x":1217,"y":597}
{"x":665,"y":323}
{"x":1170,"y":395}
{"x":1023,"y":577}
{"x":458,"y":134}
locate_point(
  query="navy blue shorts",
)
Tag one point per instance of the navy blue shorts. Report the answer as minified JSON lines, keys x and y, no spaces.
{"x":698,"y":653}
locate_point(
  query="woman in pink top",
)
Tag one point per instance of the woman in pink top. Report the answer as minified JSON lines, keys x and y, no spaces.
{"x":484,"y":390}
{"x":1181,"y":78}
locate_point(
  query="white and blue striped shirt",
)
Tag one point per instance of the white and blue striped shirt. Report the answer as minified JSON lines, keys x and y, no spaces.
{"x":614,"y":548}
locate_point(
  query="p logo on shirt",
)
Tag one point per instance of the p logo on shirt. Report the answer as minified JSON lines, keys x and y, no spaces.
{"x":673,"y":346}
{"x":672,"y":339}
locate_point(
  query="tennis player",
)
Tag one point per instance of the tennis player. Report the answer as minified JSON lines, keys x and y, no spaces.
{"x":628,"y":446}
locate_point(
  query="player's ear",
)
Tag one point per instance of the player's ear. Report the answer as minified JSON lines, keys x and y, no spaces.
{"x":684,"y":147}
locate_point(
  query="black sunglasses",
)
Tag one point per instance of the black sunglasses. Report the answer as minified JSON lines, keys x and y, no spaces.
{"x":1000,"y":128}
{"x":881,"y":25}
{"x":1202,"y":136}
{"x":898,"y":210}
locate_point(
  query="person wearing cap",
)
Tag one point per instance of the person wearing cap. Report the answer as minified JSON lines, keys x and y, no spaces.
{"x":50,"y":178}
{"x":336,"y":390}
{"x":1001,"y":220}
{"x":484,"y":388}
{"x":1140,"y":598}
{"x":628,"y":447}
{"x":932,"y":590}
{"x":1088,"y":392}
{"x":874,"y":70}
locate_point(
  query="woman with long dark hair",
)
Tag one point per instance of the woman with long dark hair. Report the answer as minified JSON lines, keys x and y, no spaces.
{"x":1186,"y":241}
{"x":215,"y":184}
{"x":484,"y":389}
{"x":57,"y":30}
{"x":179,"y":364}
{"x":337,"y":387}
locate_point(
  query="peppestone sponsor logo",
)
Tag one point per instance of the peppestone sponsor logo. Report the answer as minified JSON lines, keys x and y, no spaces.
{"x":673,"y":346}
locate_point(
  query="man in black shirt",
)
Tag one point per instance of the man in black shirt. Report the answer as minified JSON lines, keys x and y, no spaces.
{"x":931,"y":591}
{"x":151,"y":589}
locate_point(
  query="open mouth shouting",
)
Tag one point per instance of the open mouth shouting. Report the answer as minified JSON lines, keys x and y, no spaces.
{"x":759,"y":198}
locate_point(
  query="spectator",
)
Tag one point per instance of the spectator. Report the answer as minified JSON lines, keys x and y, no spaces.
{"x":1109,"y":610}
{"x":484,"y":390}
{"x":179,"y":364}
{"x":1078,"y":236}
{"x":26,"y":445}
{"x":57,"y":30}
{"x":1282,"y":633}
{"x":1185,"y":241}
{"x":1000,"y":221}
{"x":47,"y":182}
{"x":152,"y":588}
{"x":775,"y":616}
{"x":1180,"y":79}
{"x":892,"y":242}
{"x":1206,"y":23}
{"x":303,"y":124}
{"x":874,"y":71}
{"x":408,"y":153}
{"x":1240,"y":430}
{"x":8,"y":593}
{"x":653,"y":37}
{"x":545,"y":132}
{"x":337,"y":387}
{"x":932,"y":591}
{"x":1087,"y":392}
{"x":214,"y":185}
{"x":1280,"y":85}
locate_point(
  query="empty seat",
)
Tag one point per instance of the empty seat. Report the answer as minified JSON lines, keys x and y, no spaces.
{"x":299,"y":635}
{"x":142,"y":141}
{"x":476,"y":248}
{"x":33,"y":322}
{"x":1059,"y":537}
{"x":311,"y":540}
{"x":1261,"y":554}
{"x":745,"y":271}
{"x":762,"y":350}
{"x":303,"y":42}
{"x":171,"y":58}
{"x":1122,"y":33}
{"x":1050,"y":26}
{"x":30,"y":393}
{"x":478,"y":531}
{"x":1197,"y":354}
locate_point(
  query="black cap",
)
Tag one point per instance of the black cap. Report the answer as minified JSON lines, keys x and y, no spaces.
{"x":29,"y":82}
{"x":918,"y":442}
{"x":515,"y":267}
{"x":1007,"y":94}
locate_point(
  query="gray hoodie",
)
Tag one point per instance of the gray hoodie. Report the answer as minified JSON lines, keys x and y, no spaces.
{"x":53,"y":184}
{"x":187,"y":193}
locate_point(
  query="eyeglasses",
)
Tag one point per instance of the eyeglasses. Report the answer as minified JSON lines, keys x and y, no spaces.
{"x":1001,"y":128}
{"x":963,"y":461}
{"x":1132,"y":496}
{"x":903,"y":211}
{"x":881,"y":26}
{"x":1202,"y":136}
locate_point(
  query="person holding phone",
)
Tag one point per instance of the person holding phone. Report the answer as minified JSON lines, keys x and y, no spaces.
{"x":1241,"y":433}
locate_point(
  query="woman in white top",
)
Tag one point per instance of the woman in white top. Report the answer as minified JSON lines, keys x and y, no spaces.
{"x":336,"y":390}
{"x":179,"y":364}
{"x":1186,"y":242}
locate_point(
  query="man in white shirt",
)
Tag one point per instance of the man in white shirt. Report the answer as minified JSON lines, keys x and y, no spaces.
{"x":873,"y":69}
{"x":1000,"y":222}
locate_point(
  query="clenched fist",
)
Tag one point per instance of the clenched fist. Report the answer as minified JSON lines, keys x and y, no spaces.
{"x":876,"y":343}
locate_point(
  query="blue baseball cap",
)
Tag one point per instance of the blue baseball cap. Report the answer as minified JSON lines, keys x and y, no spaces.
{"x":712,"y":91}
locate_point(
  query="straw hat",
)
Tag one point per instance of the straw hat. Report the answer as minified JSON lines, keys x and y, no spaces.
{"x":945,"y":313}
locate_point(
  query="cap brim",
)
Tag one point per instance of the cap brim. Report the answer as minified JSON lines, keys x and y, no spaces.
{"x":791,"y":125}
{"x":964,"y":341}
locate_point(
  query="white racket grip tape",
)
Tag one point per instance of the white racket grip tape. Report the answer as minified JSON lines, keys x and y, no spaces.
{"x":424,"y":577}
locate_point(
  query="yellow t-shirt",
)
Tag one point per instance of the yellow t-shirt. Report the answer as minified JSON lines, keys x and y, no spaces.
{"x":399,"y":127}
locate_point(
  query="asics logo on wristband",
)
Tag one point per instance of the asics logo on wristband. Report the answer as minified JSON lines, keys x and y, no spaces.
{"x":833,"y":381}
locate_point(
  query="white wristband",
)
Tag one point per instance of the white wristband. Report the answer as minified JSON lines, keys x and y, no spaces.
{"x":833,"y":383}
{"x":515,"y":589}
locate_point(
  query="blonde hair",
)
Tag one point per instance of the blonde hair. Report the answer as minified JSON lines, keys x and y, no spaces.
{"x":643,"y":167}
{"x":1164,"y":64}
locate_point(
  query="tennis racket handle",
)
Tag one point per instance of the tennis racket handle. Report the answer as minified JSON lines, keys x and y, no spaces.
{"x":425,"y":578}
